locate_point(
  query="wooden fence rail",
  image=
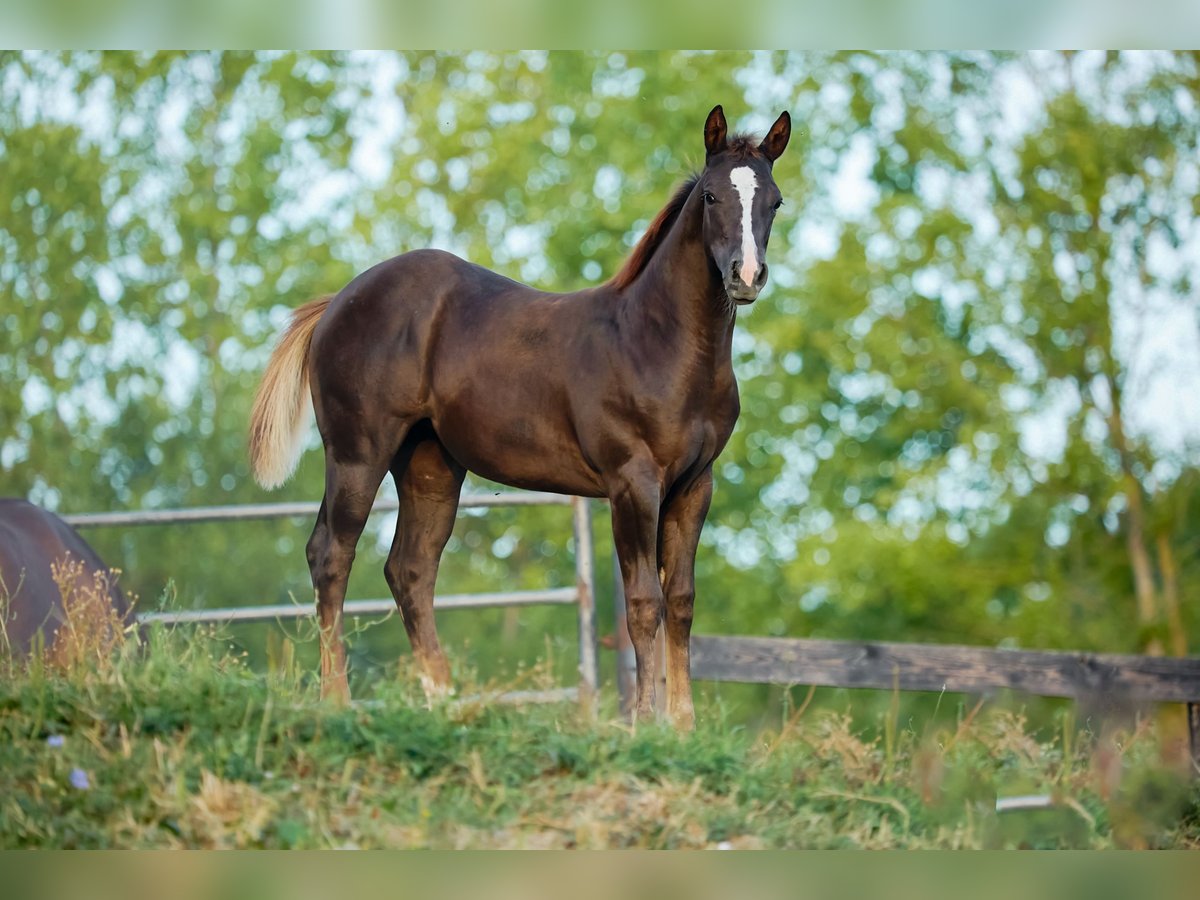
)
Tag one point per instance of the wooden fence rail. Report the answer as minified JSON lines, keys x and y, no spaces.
{"x":939,"y":667}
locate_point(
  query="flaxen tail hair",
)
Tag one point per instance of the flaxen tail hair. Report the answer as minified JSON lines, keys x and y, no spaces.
{"x":280,"y":414}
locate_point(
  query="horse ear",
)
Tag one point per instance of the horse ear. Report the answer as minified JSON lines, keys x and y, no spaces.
{"x":714,"y":132}
{"x":773,"y":144}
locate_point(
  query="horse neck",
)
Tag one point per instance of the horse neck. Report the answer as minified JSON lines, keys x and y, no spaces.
{"x":679,"y":293}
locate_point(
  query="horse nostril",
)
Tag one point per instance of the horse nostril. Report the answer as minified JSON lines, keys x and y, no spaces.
{"x":761,"y":278}
{"x":735,"y":267}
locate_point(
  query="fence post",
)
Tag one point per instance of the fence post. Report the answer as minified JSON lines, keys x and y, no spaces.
{"x":1193,"y":717}
{"x":585,"y":582}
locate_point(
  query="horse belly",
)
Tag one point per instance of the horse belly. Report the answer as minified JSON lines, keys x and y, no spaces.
{"x":515,"y":444}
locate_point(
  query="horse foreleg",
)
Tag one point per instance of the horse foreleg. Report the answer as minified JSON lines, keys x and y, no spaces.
{"x":428,"y":482}
{"x":683,"y":518}
{"x":635,"y":499}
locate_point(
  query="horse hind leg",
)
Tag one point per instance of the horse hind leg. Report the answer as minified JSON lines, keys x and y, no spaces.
{"x":350,"y":488}
{"x":428,"y":482}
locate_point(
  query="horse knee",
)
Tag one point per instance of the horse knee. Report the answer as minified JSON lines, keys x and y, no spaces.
{"x":643,"y":614}
{"x":680,"y":609}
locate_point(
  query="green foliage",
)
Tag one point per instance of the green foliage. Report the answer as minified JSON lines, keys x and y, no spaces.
{"x":932,"y":386}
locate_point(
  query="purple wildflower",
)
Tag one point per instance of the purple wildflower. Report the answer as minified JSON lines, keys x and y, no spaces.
{"x":79,"y":780}
{"x":55,"y":740}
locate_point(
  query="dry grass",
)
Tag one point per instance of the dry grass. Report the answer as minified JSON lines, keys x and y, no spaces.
{"x":175,"y":745}
{"x":87,"y":630}
{"x":91,"y":630}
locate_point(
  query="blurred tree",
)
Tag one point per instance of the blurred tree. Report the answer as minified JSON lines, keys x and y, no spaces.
{"x":949,"y":425}
{"x":968,"y":318}
{"x":154,"y":223}
{"x":1097,"y":206}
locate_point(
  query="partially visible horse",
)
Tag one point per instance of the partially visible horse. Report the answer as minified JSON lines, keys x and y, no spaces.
{"x":428,"y":366}
{"x":32,"y":542}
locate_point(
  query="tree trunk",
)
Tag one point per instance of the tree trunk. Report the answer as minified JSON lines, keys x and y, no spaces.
{"x":1176,"y":634}
{"x":1139,"y":559}
{"x":1135,"y":528}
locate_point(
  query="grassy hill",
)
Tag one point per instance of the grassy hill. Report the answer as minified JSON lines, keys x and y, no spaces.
{"x":180,"y":744}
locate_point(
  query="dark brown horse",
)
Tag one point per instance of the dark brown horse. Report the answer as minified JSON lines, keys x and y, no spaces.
{"x":32,"y":542}
{"x":429,"y":366}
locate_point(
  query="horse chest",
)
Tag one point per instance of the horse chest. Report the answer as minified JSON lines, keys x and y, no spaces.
{"x":696,"y":437}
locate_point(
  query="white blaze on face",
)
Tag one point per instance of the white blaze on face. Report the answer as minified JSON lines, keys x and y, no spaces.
{"x":746,"y":184}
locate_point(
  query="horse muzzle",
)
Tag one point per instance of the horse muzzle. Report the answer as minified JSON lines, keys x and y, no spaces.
{"x":741,"y":295}
{"x":738,"y":289}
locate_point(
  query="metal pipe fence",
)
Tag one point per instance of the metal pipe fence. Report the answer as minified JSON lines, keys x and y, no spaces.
{"x":302,"y":509}
{"x":582,"y":594}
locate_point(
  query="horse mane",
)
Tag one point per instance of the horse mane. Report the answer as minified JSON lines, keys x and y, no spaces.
{"x":741,"y":147}
{"x":655,"y":233}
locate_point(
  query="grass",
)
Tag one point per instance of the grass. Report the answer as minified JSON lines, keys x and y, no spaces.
{"x":179,"y":743}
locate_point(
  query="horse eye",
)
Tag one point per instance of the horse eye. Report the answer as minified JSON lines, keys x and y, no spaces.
{"x":709,"y":198}
{"x":778,"y":204}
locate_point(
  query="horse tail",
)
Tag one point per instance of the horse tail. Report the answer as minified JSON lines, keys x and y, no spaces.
{"x":279,"y":416}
